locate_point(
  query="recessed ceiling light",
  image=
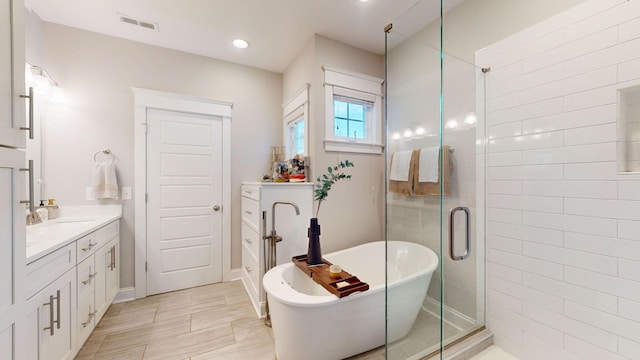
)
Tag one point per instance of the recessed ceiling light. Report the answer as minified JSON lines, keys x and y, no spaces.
{"x":240,"y":44}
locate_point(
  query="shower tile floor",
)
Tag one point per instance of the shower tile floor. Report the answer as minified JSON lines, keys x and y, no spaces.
{"x":218,"y":322}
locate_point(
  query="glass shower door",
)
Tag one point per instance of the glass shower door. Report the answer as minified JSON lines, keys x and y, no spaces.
{"x":434,"y":112}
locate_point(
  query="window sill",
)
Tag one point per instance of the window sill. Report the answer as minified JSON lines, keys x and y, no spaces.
{"x":353,"y":146}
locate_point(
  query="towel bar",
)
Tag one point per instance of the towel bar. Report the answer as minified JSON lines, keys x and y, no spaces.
{"x":106,"y":152}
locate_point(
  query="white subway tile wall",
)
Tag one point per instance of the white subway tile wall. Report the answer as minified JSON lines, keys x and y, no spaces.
{"x":563,"y":226}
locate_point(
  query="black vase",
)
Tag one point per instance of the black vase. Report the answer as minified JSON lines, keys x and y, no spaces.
{"x":314,"y":254}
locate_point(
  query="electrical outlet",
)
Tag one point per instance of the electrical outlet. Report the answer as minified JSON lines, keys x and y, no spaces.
{"x":89,"y":194}
{"x":126,"y":193}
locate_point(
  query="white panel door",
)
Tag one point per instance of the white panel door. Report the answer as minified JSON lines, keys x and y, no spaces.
{"x":184,"y":189}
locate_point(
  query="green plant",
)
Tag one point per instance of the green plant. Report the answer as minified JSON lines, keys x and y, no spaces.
{"x":326,"y":181}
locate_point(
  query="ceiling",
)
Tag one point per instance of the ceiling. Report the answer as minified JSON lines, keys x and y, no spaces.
{"x":277,"y":30}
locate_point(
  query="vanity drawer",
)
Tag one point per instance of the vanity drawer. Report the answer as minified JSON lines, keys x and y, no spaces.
{"x":86,"y":278}
{"x":251,"y":213}
{"x":86,"y":246}
{"x":106,"y":233}
{"x":251,"y":191}
{"x":251,"y":239}
{"x":43,"y":271}
{"x":251,"y":270}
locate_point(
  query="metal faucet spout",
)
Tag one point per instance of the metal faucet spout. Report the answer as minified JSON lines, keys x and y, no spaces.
{"x":273,"y":212}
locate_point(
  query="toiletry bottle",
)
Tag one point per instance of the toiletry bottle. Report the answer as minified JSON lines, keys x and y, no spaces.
{"x":42,"y":211}
{"x":52,"y":209}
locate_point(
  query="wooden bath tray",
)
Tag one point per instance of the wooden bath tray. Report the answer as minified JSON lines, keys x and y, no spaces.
{"x":320,"y":274}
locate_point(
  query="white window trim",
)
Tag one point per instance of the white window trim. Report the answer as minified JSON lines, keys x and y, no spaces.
{"x":295,"y":108}
{"x":348,"y":83}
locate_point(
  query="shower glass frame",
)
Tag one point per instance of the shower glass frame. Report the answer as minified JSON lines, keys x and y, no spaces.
{"x":460,"y":123}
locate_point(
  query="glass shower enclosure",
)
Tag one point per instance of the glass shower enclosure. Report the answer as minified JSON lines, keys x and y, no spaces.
{"x":435,"y":107}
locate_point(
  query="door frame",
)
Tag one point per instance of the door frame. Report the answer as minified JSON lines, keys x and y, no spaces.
{"x":145,"y":99}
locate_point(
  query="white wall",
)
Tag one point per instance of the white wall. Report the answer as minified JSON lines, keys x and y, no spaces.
{"x":354,"y":210}
{"x":97,"y":73}
{"x":563,"y":226}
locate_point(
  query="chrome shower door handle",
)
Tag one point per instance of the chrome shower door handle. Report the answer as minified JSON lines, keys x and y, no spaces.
{"x":467,"y":242}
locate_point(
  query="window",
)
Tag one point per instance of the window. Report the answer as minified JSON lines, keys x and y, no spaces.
{"x":353,"y":119}
{"x":295,"y":123}
{"x":296,"y":136}
{"x":350,"y":117}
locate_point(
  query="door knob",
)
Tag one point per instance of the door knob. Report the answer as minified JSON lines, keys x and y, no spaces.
{"x":216,"y":208}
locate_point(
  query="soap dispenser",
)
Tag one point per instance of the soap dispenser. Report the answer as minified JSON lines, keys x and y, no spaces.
{"x":52,"y":209}
{"x":42,"y":211}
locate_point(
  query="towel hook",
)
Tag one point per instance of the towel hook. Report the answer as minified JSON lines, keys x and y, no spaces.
{"x":105,"y":151}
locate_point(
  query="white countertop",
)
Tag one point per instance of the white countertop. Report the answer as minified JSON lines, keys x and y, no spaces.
{"x":73,"y":222}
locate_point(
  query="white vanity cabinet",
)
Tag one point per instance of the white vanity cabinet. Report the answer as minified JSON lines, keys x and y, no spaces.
{"x":12,"y":105}
{"x":98,"y":277}
{"x":12,"y":252}
{"x":12,"y":215}
{"x":51,"y":307}
{"x":256,"y":199}
{"x":71,"y":288}
{"x":52,"y":320}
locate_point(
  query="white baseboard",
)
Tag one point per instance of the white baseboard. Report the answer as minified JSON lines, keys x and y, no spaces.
{"x":125,"y":294}
{"x":236,"y":274}
{"x":129,"y":293}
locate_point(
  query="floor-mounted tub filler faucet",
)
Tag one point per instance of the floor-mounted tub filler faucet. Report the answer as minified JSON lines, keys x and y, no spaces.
{"x":271,"y":240}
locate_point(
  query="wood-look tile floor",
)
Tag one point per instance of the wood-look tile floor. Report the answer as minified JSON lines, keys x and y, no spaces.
{"x":208,"y":322}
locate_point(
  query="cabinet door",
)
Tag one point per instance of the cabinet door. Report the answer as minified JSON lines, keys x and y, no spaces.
{"x":57,"y":318}
{"x":12,"y":106}
{"x":85,"y":318}
{"x":12,"y":251}
{"x":113,"y":276}
{"x":107,"y":283}
{"x":7,"y":337}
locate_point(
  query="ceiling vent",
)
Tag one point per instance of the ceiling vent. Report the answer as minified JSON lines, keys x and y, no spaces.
{"x":137,"y":22}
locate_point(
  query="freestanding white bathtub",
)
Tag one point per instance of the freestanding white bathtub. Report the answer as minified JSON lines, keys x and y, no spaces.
{"x":311,"y":323}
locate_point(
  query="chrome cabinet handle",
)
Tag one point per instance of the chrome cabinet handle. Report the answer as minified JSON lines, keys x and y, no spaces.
{"x":90,"y":278}
{"x":58,"y":308}
{"x":91,"y":315}
{"x":216,"y":208}
{"x":89,"y":247}
{"x":51,"y":321}
{"x":248,"y":241}
{"x":51,"y":317}
{"x":249,"y":270}
{"x":30,"y":97}
{"x":248,"y":212}
{"x":30,"y":201}
{"x":112,"y":265}
{"x":467,"y":242}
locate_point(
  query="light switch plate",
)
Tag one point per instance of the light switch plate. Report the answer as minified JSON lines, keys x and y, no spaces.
{"x":89,"y":194}
{"x":126,"y":193}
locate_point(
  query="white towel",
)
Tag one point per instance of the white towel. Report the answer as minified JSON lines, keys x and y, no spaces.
{"x":429,"y":168}
{"x":400,"y":166}
{"x":105,"y":184}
